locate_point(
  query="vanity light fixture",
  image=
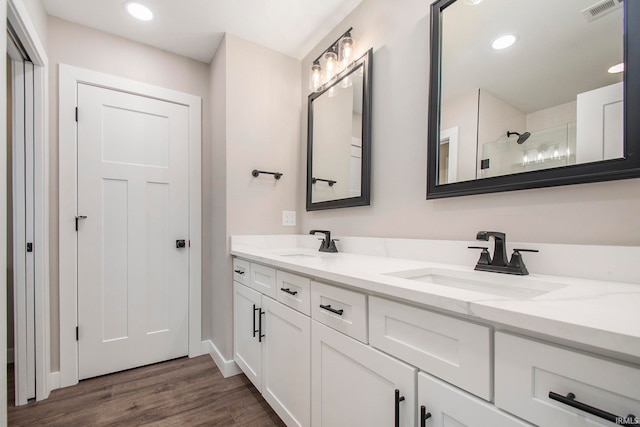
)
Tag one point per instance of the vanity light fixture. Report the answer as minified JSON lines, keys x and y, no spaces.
{"x":618,"y":68}
{"x":315,"y":79}
{"x":336,"y":58}
{"x":503,"y":42}
{"x":138,"y":11}
{"x":330,"y":58}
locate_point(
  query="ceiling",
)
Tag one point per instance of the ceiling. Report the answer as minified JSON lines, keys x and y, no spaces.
{"x":194,"y":28}
{"x":559,"y":53}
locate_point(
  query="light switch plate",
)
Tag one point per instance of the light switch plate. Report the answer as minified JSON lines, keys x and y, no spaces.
{"x":289,"y":218}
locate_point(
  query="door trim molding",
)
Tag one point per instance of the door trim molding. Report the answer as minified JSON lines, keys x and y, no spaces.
{"x":69,"y":78}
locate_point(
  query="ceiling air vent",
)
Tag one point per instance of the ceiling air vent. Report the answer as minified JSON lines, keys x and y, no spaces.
{"x":602,"y":8}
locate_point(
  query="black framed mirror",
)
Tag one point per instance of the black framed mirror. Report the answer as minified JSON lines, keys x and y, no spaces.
{"x":339,"y":140}
{"x":544,"y":107}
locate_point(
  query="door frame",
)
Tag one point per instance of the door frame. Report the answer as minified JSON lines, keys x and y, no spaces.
{"x":69,"y":78}
{"x":18,"y":16}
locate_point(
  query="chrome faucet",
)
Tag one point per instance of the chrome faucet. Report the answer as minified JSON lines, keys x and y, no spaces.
{"x":498,"y":263}
{"x":327,"y":245}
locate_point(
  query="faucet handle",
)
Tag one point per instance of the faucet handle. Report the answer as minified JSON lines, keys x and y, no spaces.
{"x":485,"y":256}
{"x":517,"y":262}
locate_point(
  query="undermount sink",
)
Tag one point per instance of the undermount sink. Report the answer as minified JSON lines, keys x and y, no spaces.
{"x":298,"y":253}
{"x":498,"y":285}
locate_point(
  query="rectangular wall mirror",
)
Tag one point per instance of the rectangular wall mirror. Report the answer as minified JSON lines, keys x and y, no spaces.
{"x":528,"y":94}
{"x":339,"y":140}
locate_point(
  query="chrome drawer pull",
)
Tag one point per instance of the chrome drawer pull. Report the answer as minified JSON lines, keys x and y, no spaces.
{"x":289,"y":291}
{"x":569,"y":400}
{"x":333,"y":310}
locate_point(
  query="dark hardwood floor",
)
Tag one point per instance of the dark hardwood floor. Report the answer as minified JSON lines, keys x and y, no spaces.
{"x":181,"y":392}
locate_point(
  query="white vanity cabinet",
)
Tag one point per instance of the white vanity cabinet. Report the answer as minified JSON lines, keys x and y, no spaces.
{"x":271,"y":346}
{"x":353,"y":384}
{"x":332,"y":355}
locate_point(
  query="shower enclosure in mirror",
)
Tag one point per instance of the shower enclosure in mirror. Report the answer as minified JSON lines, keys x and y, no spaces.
{"x":528,"y":94}
{"x":339,"y":140}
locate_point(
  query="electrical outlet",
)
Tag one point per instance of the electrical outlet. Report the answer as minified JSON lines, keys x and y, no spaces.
{"x":289,"y":218}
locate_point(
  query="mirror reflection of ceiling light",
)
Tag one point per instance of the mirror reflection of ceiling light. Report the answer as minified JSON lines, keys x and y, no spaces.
{"x":618,"y":68}
{"x":472,"y":2}
{"x":503,"y":42}
{"x":139,"y":11}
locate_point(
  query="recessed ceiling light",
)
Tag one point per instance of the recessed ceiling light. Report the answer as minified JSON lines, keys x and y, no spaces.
{"x":503,"y":42}
{"x":139,"y":11}
{"x":618,"y":68}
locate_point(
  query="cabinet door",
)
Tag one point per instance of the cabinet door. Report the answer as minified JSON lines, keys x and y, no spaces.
{"x":448,"y":406}
{"x":354,"y":385}
{"x":286,"y":362}
{"x":246,"y":317}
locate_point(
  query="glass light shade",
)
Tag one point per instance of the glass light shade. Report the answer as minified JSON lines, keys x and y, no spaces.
{"x":315,"y":77}
{"x":330,"y":65}
{"x":346,"y":51}
{"x":332,"y":91}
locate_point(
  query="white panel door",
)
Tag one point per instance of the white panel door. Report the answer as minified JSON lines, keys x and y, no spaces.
{"x":133,"y":189}
{"x":600,"y":124}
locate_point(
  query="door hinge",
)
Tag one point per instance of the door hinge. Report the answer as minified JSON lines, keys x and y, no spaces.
{"x":76,"y":114}
{"x":76,"y":333}
{"x":29,"y":247}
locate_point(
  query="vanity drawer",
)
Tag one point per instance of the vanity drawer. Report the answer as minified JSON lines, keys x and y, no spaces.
{"x":263,"y":279}
{"x":241,"y":271}
{"x":527,"y":371}
{"x":340,"y":309}
{"x":294,"y":291}
{"x":453,"y":350}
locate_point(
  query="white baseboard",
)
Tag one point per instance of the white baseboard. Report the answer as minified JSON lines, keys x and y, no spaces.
{"x":227,"y":367}
{"x":54,"y":381}
{"x":9,"y":355}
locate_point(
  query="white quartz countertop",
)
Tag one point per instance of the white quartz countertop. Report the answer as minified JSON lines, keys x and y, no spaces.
{"x":595,"y":313}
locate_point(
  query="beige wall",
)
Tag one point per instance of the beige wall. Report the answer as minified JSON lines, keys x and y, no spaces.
{"x":462,"y":113}
{"x":601,"y":213}
{"x":260,"y":89}
{"x":83,"y":47}
{"x":552,"y":116}
{"x":220,"y":296}
{"x":39,"y":18}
